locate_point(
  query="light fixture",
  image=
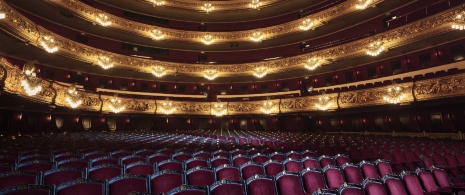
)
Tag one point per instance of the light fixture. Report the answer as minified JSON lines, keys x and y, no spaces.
{"x":375,"y":48}
{"x":2,"y":12}
{"x":167,"y":107}
{"x":255,"y":4}
{"x":312,"y":63}
{"x":31,"y":84}
{"x":72,"y":97}
{"x":394,"y":94}
{"x":305,"y":25}
{"x":49,"y":44}
{"x":157,"y":34}
{"x":260,"y":72}
{"x":208,"y":39}
{"x":257,"y":36}
{"x":158,"y":3}
{"x":210,"y":74}
{"x":116,"y":105}
{"x":219,"y":109}
{"x":459,"y":21}
{"x":362,"y":4}
{"x":158,"y":71}
{"x":268,"y":106}
{"x":207,"y":7}
{"x":103,"y":19}
{"x":324,"y":102}
{"x":104,"y":62}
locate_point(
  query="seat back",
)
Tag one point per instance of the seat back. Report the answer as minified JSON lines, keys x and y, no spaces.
{"x":352,"y":173}
{"x":14,"y":178}
{"x":312,"y":180}
{"x":260,"y":185}
{"x":272,"y":167}
{"x":394,"y":185}
{"x":369,"y":170}
{"x":412,"y":183}
{"x":82,"y":186}
{"x":166,"y":180}
{"x":427,"y":180}
{"x":228,"y":172}
{"x":333,"y":176}
{"x":140,"y":168}
{"x":28,"y":189}
{"x":289,"y":183}
{"x":374,"y":187}
{"x":62,"y":175}
{"x":188,"y":190}
{"x":200,"y":176}
{"x":227,"y":187}
{"x":105,"y":171}
{"x":127,"y":183}
{"x":310,"y":162}
{"x":251,"y":169}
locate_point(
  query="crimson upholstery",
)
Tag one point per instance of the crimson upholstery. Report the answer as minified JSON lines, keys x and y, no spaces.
{"x":196,"y":162}
{"x":166,"y":180}
{"x":105,"y":171}
{"x":170,"y":164}
{"x":14,"y":178}
{"x":124,"y":184}
{"x":250,"y":169}
{"x":333,"y":176}
{"x":140,"y":168}
{"x":158,"y":157}
{"x":369,"y":170}
{"x":374,"y":187}
{"x":227,"y":187}
{"x":352,"y":173}
{"x":228,"y":172}
{"x":310,"y":162}
{"x":394,"y":185}
{"x":293,"y":165}
{"x":351,"y":189}
{"x":27,"y":189}
{"x":219,"y":161}
{"x":188,"y":190}
{"x":260,"y":185}
{"x":412,"y":183}
{"x":272,"y":167}
{"x":289,"y":183}
{"x":313,"y":180}
{"x":62,"y":175}
{"x":200,"y":176}
{"x":82,"y":186}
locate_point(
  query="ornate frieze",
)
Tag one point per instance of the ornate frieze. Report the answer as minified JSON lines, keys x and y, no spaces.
{"x":440,"y":87}
{"x":90,"y":101}
{"x":415,"y":31}
{"x":370,"y":97}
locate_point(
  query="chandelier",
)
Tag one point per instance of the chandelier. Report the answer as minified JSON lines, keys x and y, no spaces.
{"x":307,"y":24}
{"x":459,"y":21}
{"x":104,"y":62}
{"x":375,"y":48}
{"x":257,"y":36}
{"x":157,"y":34}
{"x":72,"y":97}
{"x":103,"y":19}
{"x":49,"y":44}
{"x":260,"y":72}
{"x":324,"y":102}
{"x":210,"y":74}
{"x":255,"y":4}
{"x":362,"y":4}
{"x":312,"y":64}
{"x":219,"y":109}
{"x":158,"y":71}
{"x":268,"y":107}
{"x":31,"y":84}
{"x":208,"y":39}
{"x":394,"y":94}
{"x":207,"y":7}
{"x":158,"y":3}
{"x":167,"y":107}
{"x":116,"y":105}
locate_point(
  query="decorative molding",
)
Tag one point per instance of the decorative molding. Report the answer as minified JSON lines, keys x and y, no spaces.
{"x":369,"y":97}
{"x":231,"y":5}
{"x":415,"y":31}
{"x":89,"y":13}
{"x":436,"y":88}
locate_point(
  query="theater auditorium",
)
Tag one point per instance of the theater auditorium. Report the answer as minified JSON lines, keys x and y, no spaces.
{"x":232,"y":97}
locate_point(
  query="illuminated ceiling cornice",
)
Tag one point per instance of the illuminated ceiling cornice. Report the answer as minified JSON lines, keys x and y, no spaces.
{"x":55,"y":94}
{"x":220,"y":6}
{"x":89,"y":13}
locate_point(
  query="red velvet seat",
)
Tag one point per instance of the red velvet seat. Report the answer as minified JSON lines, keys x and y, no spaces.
{"x":278,"y":156}
{"x":443,"y":181}
{"x":240,"y":160}
{"x":429,"y":184}
{"x":333,"y":176}
{"x":62,"y":175}
{"x":292,"y":165}
{"x":27,"y":189}
{"x":169,"y":164}
{"x":294,"y":155}
{"x":165,"y":180}
{"x":140,"y":168}
{"x":272,"y":167}
{"x":36,"y":166}
{"x":369,"y":170}
{"x":394,"y":185}
{"x":374,"y":187}
{"x":384,"y":167}
{"x":132,"y":159}
{"x":289,"y":183}
{"x":35,"y":157}
{"x":188,"y":190}
{"x":203,"y":154}
{"x":341,"y":159}
{"x":227,"y":187}
{"x":218,"y":161}
{"x":181,"y":156}
{"x":94,"y":154}
{"x":251,"y":169}
{"x":228,"y":172}
{"x":312,"y":180}
{"x":105,"y":171}
{"x":66,"y":155}
{"x":82,"y":186}
{"x":310,"y":162}
{"x":309,"y":153}
{"x":260,"y":185}
{"x":120,"y":154}
{"x":158,"y":157}
{"x":412,"y":184}
{"x":14,"y":178}
{"x":124,"y":184}
{"x":76,"y":163}
{"x":144,"y":152}
{"x":196,"y":162}
{"x":200,"y":176}
{"x":260,"y":158}
{"x":350,"y":189}
{"x":221,"y":153}
{"x":326,"y":160}
{"x":104,"y":160}
{"x":352,"y":173}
